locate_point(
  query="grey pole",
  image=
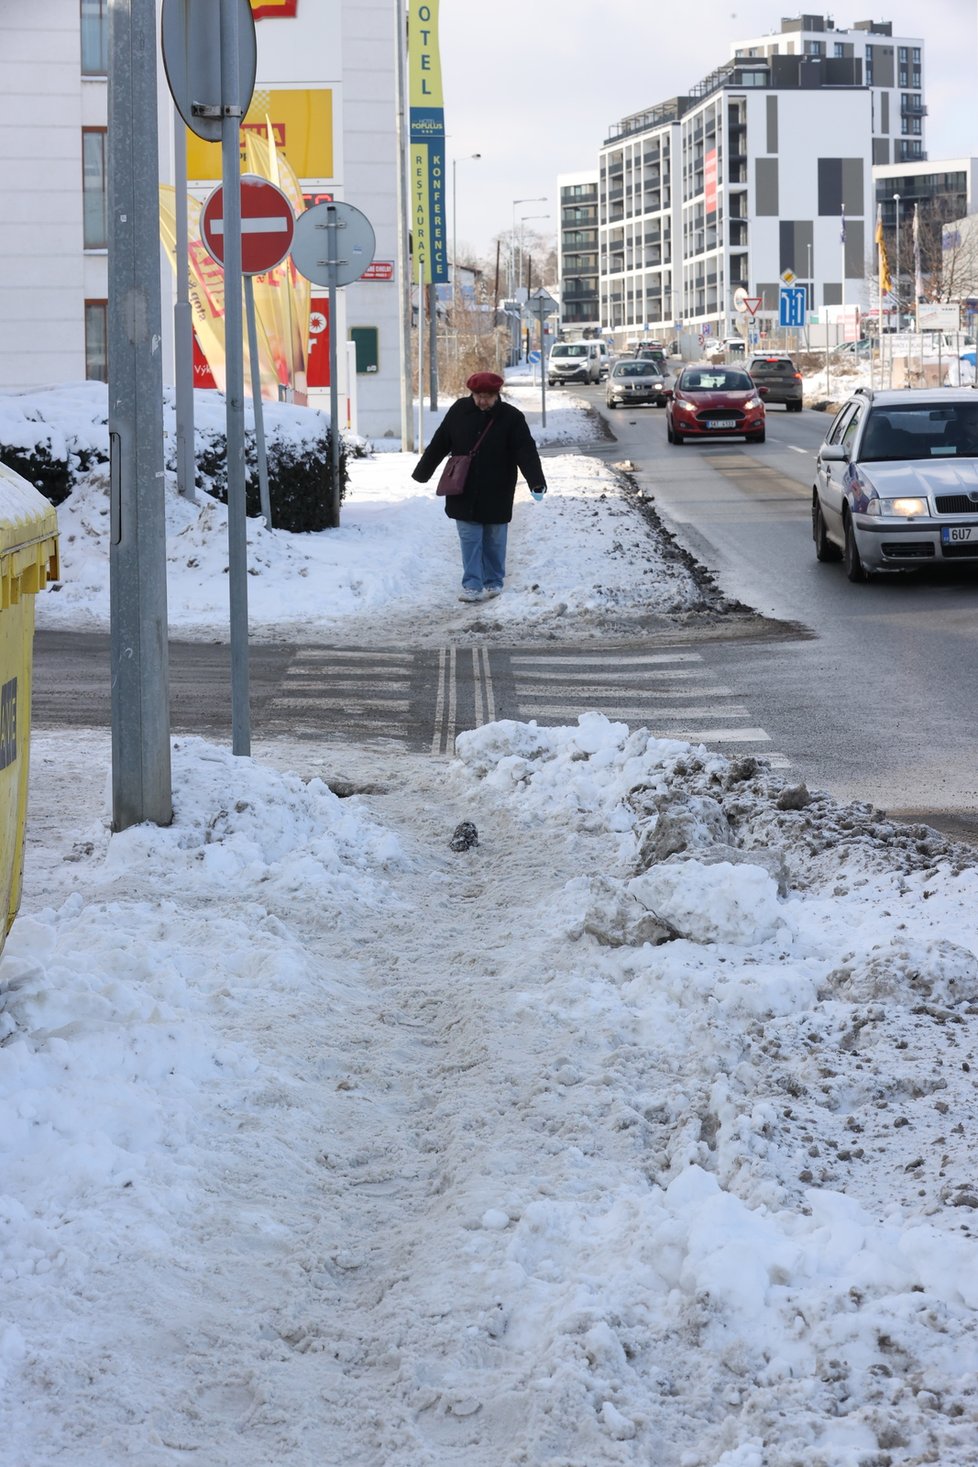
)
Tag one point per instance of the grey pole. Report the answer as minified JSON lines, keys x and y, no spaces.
{"x":543,"y":371}
{"x":234,"y":384}
{"x":256,"y":403}
{"x":141,"y":788}
{"x":403,"y":239}
{"x":183,"y":328}
{"x":332,"y":258}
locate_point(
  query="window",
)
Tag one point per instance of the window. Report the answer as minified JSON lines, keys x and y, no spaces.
{"x":814,"y":48}
{"x":97,"y":341}
{"x":94,"y":38}
{"x":95,"y":202}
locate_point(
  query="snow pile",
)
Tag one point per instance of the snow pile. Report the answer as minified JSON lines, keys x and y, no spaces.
{"x":634,"y":1131}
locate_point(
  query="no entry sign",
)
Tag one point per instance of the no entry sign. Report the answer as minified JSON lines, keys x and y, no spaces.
{"x":267,"y":225}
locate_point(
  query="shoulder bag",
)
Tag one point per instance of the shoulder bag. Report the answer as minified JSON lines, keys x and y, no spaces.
{"x":456,"y":470}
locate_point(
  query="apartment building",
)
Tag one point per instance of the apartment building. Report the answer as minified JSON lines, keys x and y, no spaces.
{"x":326,"y":76}
{"x":577,"y":253}
{"x":762,"y":168}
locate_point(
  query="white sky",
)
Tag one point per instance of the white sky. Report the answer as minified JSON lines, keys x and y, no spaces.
{"x":534,"y":85}
{"x":324,"y":1144}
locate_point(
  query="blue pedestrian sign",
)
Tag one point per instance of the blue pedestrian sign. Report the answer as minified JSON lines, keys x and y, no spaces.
{"x":792,"y":306}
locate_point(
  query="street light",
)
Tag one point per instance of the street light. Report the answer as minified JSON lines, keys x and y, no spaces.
{"x":513,"y":277}
{"x":523,"y":219}
{"x":455,"y":162}
{"x":896,"y":278}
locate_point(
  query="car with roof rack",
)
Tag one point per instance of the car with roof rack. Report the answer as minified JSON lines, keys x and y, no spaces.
{"x":896,"y":481}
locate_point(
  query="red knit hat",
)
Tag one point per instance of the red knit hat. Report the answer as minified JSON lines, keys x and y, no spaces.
{"x":484,"y":382}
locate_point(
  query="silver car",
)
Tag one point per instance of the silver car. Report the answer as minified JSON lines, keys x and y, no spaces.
{"x":633,"y":380}
{"x":896,"y":481}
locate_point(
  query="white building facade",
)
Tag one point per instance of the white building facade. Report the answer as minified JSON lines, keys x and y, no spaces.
{"x":765,"y":169}
{"x":331,"y":66}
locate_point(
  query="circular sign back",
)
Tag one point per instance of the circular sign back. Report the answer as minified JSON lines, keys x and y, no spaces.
{"x":334,"y":243}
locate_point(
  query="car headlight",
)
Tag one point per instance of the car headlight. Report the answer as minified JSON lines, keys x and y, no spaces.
{"x":753,"y":402}
{"x":906,"y":508}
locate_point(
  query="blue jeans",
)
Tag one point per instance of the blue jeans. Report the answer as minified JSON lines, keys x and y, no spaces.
{"x":483,"y":554}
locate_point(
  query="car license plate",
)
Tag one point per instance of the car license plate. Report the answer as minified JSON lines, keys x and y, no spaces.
{"x":720,"y":423}
{"x":958,"y":534}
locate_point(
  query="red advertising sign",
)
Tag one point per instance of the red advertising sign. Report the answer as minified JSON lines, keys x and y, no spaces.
{"x":379,"y":270}
{"x":317,"y":359}
{"x":710,"y":180}
{"x":268,"y":9}
{"x":267,"y":225}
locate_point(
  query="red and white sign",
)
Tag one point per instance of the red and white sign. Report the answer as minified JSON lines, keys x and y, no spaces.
{"x":267,"y":225}
{"x":379,"y":270}
{"x":317,"y":360}
{"x":752,"y":304}
{"x":710,"y":180}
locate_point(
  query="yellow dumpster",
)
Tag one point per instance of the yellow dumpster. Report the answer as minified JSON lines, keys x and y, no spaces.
{"x":28,"y":560}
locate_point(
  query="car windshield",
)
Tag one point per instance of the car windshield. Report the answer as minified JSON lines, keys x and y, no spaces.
{"x":634,"y":369}
{"x":716,"y":381}
{"x":948,"y":430}
{"x":570,"y":351}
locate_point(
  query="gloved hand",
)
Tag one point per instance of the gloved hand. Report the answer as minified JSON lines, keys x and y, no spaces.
{"x":539,"y":492}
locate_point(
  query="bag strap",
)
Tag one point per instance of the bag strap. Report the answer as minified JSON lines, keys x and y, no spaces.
{"x":475,"y":446}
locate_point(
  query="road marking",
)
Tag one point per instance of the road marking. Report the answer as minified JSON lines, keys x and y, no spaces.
{"x":443,"y":738}
{"x":485,"y":703}
{"x":723,"y":736}
{"x":535,"y":708}
{"x":640,"y":660}
{"x":795,"y":449}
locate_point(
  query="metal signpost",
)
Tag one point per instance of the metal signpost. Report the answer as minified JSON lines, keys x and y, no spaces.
{"x":210,"y":55}
{"x":141,"y":778}
{"x":267,"y":229}
{"x":334,"y":243}
{"x":542,"y":304}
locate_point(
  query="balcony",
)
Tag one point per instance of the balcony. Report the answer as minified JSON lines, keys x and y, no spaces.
{"x":913,"y":109}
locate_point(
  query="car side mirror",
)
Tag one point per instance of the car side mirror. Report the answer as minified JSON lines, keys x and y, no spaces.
{"x":833,"y":453}
{"x":763,"y":390}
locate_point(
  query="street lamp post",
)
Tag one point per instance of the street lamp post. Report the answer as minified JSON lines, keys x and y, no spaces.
{"x":513,"y":275}
{"x":523,"y":219}
{"x":896,"y":278}
{"x":455,"y":161}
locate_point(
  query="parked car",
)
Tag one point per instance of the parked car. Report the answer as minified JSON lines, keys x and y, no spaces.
{"x":574,"y":361}
{"x":633,"y":380}
{"x":896,"y":481}
{"x":861,"y":348}
{"x":727,"y":346}
{"x":710,"y":400}
{"x":779,"y":380}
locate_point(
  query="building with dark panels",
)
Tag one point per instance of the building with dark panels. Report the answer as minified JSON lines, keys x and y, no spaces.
{"x":577,"y":254}
{"x":763,"y":168}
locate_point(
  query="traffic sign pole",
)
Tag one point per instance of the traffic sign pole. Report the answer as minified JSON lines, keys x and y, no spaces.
{"x":267,"y":231}
{"x":141,"y":777}
{"x":318,"y":255}
{"x":231,"y":115}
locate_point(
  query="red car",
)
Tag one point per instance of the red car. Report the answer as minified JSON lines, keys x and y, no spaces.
{"x":708,"y":402}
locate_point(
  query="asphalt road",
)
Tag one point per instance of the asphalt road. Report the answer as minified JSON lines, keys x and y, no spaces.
{"x":875,"y":699}
{"x":864,"y":690}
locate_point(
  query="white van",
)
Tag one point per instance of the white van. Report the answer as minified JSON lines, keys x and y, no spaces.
{"x":574,"y":361}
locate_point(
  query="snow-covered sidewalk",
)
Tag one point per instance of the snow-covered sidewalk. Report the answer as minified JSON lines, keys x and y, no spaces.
{"x":637,"y":1132}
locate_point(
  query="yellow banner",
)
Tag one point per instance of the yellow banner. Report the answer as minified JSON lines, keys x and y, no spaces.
{"x":282,"y":296}
{"x":302,"y":125}
{"x":206,"y":293}
{"x":427,"y":144}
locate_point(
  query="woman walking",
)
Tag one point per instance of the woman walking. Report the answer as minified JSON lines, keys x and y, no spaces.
{"x":500,"y":436}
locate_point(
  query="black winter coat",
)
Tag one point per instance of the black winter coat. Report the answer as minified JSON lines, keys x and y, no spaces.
{"x":491,"y":483}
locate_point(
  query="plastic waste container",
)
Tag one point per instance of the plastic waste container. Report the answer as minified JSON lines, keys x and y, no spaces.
{"x":28,"y":560}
